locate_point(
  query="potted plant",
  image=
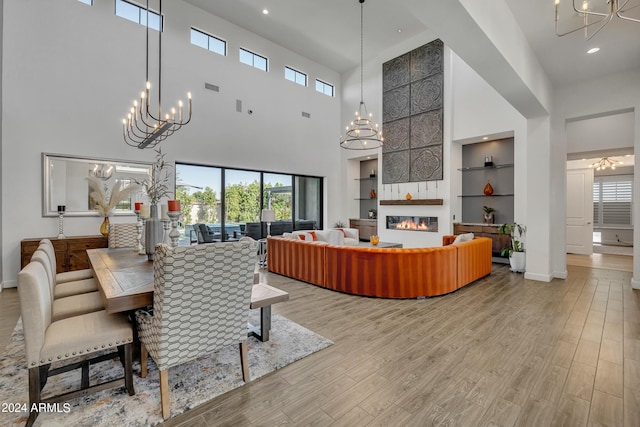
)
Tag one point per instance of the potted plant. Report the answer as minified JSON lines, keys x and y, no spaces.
{"x":515,"y":251}
{"x":488,"y":214}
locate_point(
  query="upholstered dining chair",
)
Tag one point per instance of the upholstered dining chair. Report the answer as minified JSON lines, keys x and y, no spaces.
{"x":123,"y":235}
{"x":66,"y":276}
{"x":201,"y":299}
{"x":48,"y":341}
{"x":66,"y":305}
{"x":64,"y":289}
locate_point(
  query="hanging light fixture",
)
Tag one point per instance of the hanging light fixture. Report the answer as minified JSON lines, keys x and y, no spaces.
{"x":361,"y":134}
{"x":604,"y":163}
{"x":143,"y":128}
{"x":598,"y":15}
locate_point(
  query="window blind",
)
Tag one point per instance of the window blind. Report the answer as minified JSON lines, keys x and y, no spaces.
{"x":613,"y":201}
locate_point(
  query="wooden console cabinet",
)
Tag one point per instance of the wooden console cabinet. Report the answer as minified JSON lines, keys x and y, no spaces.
{"x":485,"y":230}
{"x":71,"y":253}
{"x":367,"y":227}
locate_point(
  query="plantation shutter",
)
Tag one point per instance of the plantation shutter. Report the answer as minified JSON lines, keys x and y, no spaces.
{"x":613,"y":201}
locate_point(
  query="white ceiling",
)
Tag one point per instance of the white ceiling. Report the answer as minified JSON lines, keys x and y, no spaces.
{"x":328,"y":32}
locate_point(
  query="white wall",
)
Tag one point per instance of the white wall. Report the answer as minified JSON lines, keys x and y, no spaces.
{"x":69,"y":80}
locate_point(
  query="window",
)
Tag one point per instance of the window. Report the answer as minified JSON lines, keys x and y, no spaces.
{"x":208,"y":42}
{"x":613,"y":201}
{"x":253,"y":59}
{"x":295,"y":76}
{"x":323,"y":87}
{"x":89,"y":2}
{"x":230,"y":201}
{"x":138,"y":14}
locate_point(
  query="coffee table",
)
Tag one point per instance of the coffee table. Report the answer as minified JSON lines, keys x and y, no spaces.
{"x":380,"y":245}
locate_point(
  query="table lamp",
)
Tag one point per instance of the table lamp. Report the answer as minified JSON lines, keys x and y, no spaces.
{"x":268,"y":216}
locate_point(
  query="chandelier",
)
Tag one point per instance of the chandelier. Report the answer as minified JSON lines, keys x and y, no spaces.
{"x":592,"y":13}
{"x":604,"y":163}
{"x":143,"y":128}
{"x":361,"y":134}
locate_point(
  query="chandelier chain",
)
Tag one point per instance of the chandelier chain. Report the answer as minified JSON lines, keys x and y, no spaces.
{"x":361,"y":50}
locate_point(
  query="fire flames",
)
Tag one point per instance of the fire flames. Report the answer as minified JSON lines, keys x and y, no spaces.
{"x":410,"y":225}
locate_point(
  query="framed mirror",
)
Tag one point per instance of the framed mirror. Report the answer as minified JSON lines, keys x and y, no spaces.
{"x":64,"y":182}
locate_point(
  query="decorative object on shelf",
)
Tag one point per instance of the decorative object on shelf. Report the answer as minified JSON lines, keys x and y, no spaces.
{"x":374,"y":239}
{"x":141,"y":128}
{"x":488,"y":189}
{"x":372,"y":174}
{"x":105,"y":201}
{"x":61,"y":210}
{"x":604,"y":163}
{"x":488,"y":161}
{"x":515,"y":251}
{"x":601,"y":12}
{"x":268,"y":216}
{"x":408,"y":196}
{"x":373,"y":214}
{"x":488,"y":216}
{"x":361,"y":134}
{"x":372,"y":194}
{"x":145,"y":213}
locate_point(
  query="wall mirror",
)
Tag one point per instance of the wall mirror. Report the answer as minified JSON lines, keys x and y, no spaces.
{"x":64,"y":182}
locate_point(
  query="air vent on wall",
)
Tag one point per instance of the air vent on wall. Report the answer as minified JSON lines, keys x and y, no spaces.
{"x":212,"y":87}
{"x":307,"y":115}
{"x":239,"y":105}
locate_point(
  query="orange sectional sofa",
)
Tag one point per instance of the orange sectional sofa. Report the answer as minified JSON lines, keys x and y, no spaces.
{"x":382,"y":272}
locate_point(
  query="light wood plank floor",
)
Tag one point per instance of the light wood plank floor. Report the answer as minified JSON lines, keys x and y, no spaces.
{"x":502,"y":351}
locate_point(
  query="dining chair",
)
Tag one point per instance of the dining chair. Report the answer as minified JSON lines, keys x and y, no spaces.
{"x":64,"y":289}
{"x":65,"y":276}
{"x":201,"y":299}
{"x":48,"y":341}
{"x":123,"y":235}
{"x":67,"y":306}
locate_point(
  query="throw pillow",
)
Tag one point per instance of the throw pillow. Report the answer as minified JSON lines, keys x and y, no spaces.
{"x":313,"y":235}
{"x":466,"y":237}
{"x":343,"y":232}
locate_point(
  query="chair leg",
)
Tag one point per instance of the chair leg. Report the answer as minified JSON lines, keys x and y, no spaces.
{"x":144,"y":355}
{"x":244,"y":361}
{"x":164,"y":394}
{"x":34,"y":393}
{"x":128,"y":368}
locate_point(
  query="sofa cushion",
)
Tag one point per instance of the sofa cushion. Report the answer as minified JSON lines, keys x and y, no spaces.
{"x":466,"y":237}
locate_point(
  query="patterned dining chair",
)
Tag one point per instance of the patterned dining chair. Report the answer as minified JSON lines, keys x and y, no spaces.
{"x":201,"y":299}
{"x":122,"y":235}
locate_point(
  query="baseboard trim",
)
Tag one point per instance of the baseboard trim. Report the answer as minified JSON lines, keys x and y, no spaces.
{"x":9,"y":284}
{"x":561,"y":274}
{"x":635,"y":284}
{"x":538,"y":277}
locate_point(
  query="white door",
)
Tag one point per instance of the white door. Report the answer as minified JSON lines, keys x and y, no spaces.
{"x":580,"y":211}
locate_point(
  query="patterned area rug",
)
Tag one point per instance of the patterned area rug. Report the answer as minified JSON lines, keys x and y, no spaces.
{"x":190,"y":384}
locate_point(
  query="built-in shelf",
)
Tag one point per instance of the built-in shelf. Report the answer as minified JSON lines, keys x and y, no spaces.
{"x":369,"y":198}
{"x":479,"y":168}
{"x":366,"y":179}
{"x":484,"y":195}
{"x":413,"y":202}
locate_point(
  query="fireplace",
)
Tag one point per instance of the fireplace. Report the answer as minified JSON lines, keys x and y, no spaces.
{"x":413,"y":223}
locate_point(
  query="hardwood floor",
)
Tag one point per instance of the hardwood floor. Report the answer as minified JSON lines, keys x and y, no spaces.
{"x":502,"y":351}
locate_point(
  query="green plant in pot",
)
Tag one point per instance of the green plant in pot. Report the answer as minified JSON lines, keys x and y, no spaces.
{"x":515,"y":251}
{"x":488,"y":214}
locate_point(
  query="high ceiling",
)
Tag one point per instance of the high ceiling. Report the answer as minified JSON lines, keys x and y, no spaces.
{"x":329,"y":31}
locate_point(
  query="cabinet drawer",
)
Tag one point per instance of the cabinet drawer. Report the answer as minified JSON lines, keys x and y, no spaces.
{"x":458,"y":229}
{"x":84,"y":244}
{"x":78,"y":260}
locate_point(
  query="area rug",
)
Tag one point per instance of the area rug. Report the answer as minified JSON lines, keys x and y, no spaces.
{"x":190,"y":384}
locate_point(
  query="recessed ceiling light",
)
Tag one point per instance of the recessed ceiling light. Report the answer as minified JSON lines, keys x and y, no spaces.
{"x":265,"y":12}
{"x":484,"y":138}
{"x":399,"y":30}
{"x":593,"y":50}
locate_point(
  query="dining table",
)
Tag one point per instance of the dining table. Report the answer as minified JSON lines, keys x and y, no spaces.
{"x":125,"y":282}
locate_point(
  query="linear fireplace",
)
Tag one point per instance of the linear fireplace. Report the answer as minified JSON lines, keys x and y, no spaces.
{"x":413,"y":223}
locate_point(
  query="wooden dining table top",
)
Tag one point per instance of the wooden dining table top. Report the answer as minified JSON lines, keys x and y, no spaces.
{"x":125,"y":281}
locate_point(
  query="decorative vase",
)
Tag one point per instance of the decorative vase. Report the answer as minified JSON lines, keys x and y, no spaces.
{"x":488,"y":189}
{"x":408,"y":196}
{"x":372,"y":194}
{"x":517,"y":260}
{"x":374,"y":240}
{"x":104,"y":227}
{"x":488,"y":218}
{"x":152,"y":232}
